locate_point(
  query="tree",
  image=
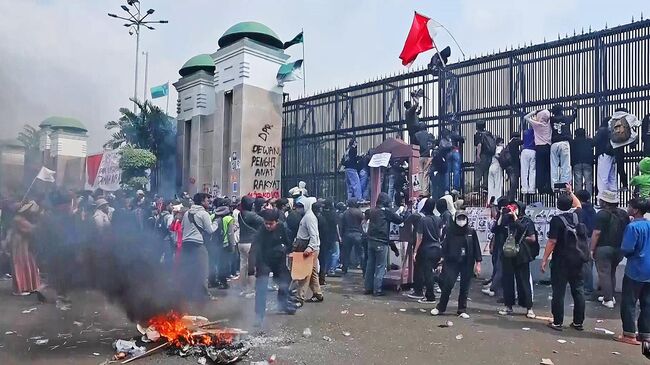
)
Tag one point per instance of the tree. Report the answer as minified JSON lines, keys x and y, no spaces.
{"x":149,"y":129}
{"x":134,"y":162}
{"x":30,"y":137}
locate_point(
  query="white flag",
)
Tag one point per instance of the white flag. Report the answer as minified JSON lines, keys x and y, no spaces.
{"x":46,"y":174}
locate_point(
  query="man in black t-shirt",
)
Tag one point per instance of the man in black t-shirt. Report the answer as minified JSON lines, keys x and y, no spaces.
{"x":563,"y":272}
{"x":606,"y":243}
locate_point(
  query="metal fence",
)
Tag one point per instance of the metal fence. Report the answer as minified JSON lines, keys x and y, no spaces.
{"x":597,"y":71}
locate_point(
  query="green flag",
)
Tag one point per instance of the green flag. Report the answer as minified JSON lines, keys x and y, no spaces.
{"x":297,"y":39}
{"x":289,"y":72}
{"x":160,"y":90}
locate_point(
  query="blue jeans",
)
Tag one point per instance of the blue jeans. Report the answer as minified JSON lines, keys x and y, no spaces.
{"x":497,"y":271}
{"x":364,"y":179}
{"x":334,"y":257}
{"x":376,"y":267}
{"x":560,"y":163}
{"x":281,"y":275}
{"x":353,"y":184}
{"x":453,"y":167}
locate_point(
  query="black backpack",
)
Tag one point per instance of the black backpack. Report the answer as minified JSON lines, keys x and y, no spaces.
{"x":488,"y":144}
{"x":576,"y":241}
{"x":505,"y":158}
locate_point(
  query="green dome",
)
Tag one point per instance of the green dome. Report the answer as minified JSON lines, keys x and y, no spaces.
{"x":63,"y":122}
{"x":196,"y":63}
{"x":252,"y":30}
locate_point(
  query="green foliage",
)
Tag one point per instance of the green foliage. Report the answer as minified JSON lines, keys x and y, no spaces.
{"x":134,"y":162}
{"x":30,"y":137}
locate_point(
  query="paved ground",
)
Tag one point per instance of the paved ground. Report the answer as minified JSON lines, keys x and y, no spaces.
{"x":392,"y":330}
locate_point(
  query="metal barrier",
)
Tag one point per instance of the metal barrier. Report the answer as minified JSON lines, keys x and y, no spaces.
{"x":599,"y":71}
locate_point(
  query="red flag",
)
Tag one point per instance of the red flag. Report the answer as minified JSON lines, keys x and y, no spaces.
{"x":92,"y":167}
{"x":419,"y":40}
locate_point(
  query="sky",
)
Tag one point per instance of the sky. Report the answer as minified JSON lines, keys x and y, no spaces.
{"x":68,"y":58}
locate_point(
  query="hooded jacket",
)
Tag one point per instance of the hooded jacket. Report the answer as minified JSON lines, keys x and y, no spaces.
{"x":249,"y":221}
{"x":202,"y":227}
{"x":541,"y":126}
{"x":458,"y":237}
{"x":380,"y":218}
{"x":308,"y":229}
{"x":582,"y":149}
{"x":643,"y":179}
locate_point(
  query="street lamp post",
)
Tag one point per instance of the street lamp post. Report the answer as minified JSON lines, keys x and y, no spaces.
{"x":133,"y":22}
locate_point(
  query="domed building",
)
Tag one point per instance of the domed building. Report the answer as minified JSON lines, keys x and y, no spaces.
{"x":230,"y":115}
{"x":63,"y":146}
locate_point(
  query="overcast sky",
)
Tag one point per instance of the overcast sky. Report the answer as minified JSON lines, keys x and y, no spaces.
{"x":68,"y":58}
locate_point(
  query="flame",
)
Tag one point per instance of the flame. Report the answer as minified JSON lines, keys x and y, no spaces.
{"x":176,"y":330}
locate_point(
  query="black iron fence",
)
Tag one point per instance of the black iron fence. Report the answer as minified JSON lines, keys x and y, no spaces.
{"x":597,"y":71}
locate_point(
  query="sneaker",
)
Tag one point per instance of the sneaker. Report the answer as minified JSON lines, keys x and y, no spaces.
{"x":608,"y":304}
{"x":435,"y":312}
{"x":602,"y":299}
{"x":530,"y":314}
{"x":645,"y":349}
{"x":557,"y":327}
{"x":507,"y":311}
{"x":577,"y":327}
{"x":437,"y":289}
{"x":488,"y":292}
{"x":464,"y":315}
{"x":415,"y":296}
{"x":426,"y":301}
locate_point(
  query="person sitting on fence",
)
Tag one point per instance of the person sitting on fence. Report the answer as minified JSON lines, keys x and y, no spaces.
{"x":561,"y":148}
{"x":495,"y":176}
{"x":350,"y":162}
{"x":485,"y":149}
{"x":582,"y":161}
{"x":606,"y":168}
{"x":539,"y":120}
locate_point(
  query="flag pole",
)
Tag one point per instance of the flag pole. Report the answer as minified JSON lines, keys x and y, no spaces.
{"x":167,"y":107}
{"x":28,"y":189}
{"x":304,"y":72}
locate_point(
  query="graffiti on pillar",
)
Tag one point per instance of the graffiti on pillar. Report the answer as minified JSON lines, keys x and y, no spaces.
{"x":265,"y":165}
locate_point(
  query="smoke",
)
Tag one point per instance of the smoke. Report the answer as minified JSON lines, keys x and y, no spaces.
{"x":122,"y":263}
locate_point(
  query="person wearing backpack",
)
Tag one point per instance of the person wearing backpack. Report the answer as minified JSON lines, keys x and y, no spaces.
{"x":520,"y":249}
{"x":539,"y":120}
{"x":561,"y":147}
{"x":606,"y":243}
{"x":636,"y":282}
{"x":194,"y":264}
{"x":567,"y":241}
{"x":495,"y":176}
{"x":485,"y":144}
{"x":224,"y":241}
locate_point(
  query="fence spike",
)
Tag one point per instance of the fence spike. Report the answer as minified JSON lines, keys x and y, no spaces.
{"x":641,"y":15}
{"x":558,"y":36}
{"x":589,"y":28}
{"x":544,"y":39}
{"x":583,"y":30}
{"x":632,"y":18}
{"x":574,"y":32}
{"x":605,"y":25}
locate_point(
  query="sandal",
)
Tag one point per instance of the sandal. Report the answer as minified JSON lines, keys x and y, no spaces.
{"x":316,"y":298}
{"x":627,"y":339}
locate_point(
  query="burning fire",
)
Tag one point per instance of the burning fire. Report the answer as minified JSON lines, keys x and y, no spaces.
{"x":182,"y":330}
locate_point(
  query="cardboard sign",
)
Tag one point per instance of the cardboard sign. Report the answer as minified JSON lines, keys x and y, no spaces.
{"x":301,"y":266}
{"x":379,"y":160}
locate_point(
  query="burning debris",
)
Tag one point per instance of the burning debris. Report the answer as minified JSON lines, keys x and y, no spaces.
{"x":188,"y":336}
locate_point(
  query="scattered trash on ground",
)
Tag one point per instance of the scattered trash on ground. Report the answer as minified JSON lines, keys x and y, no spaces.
{"x":61,"y":305}
{"x":30,"y":310}
{"x":459,"y":337}
{"x":446,"y":324}
{"x":555,"y":352}
{"x":526,"y":328}
{"x":346,"y":334}
{"x":306,"y":333}
{"x":561,"y":341}
{"x":77,"y":323}
{"x":128,"y":348}
{"x":345,"y":312}
{"x":402,"y":310}
{"x":604,"y":330}
{"x":327,"y":338}
{"x":423,"y":310}
{"x":42,"y":342}
{"x":359,"y":314}
{"x":96,"y":354}
{"x":10,"y":333}
{"x":599,"y":321}
{"x":546,"y":362}
{"x":201,"y":360}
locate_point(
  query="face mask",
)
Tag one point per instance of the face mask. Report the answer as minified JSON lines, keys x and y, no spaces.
{"x":461,"y":222}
